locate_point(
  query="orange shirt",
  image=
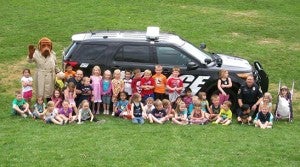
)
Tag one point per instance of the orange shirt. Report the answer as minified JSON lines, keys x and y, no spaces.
{"x":70,"y":74}
{"x":160,"y":83}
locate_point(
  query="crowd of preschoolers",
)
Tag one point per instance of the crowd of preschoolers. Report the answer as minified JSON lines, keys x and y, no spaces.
{"x":137,"y":97}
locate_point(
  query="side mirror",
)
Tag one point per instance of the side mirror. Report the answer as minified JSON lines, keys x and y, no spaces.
{"x":202,"y":46}
{"x":207,"y":61}
{"x":192,"y":66}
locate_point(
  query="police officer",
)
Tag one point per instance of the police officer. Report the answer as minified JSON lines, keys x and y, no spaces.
{"x":250,"y":94}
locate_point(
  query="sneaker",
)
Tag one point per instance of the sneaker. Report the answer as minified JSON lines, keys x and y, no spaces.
{"x":255,"y":125}
{"x":100,"y":121}
{"x":269,"y":127}
{"x":113,"y":114}
{"x":80,"y":122}
{"x":249,"y":123}
{"x":24,"y":115}
{"x":214,"y":123}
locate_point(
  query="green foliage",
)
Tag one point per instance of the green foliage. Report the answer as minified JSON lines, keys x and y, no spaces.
{"x":263,"y":30}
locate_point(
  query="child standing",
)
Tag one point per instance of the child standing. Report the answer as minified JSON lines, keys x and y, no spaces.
{"x":39,"y":107}
{"x":244,"y":116}
{"x":225,"y":115}
{"x":50,"y":115}
{"x":147,"y":85}
{"x":96,"y":79}
{"x":106,"y":91}
{"x":57,"y":98}
{"x":85,"y":90}
{"x":214,"y":108}
{"x":174,"y":85}
{"x":180,"y":117}
{"x":69,"y":73}
{"x":136,"y":81}
{"x":160,"y":83}
{"x":158,"y":114}
{"x":121,"y":105}
{"x":198,"y":116}
{"x":128,"y":82}
{"x":224,"y":84}
{"x":137,"y":109}
{"x":117,"y":87}
{"x":264,"y":118}
{"x":27,"y":86}
{"x":20,"y":106}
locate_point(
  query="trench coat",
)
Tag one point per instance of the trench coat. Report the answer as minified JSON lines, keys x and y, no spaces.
{"x":44,"y":77}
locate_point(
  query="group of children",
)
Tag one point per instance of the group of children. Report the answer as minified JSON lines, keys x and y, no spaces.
{"x":141,"y":97}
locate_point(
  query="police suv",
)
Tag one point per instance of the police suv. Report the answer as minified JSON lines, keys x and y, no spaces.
{"x":144,"y":49}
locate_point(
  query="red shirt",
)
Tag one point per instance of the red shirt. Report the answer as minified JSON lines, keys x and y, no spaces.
{"x":174,"y":83}
{"x":136,"y":85}
{"x":147,"y":82}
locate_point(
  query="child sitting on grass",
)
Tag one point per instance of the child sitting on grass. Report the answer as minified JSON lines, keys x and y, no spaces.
{"x":198,"y":116}
{"x":263,"y":118}
{"x":39,"y":107}
{"x":167,"y":106}
{"x":66,"y":112}
{"x":137,"y":109}
{"x":85,"y":113}
{"x":121,"y":106}
{"x":244,"y":116}
{"x":20,"y":106}
{"x":158,"y":114}
{"x":214,"y":108}
{"x":51,"y":115}
{"x":225,"y":115}
{"x":149,"y":105}
{"x":180,"y":117}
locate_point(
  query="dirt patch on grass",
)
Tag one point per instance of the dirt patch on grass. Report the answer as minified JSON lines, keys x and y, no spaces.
{"x":247,"y":14}
{"x":12,"y":73}
{"x":269,"y":41}
{"x":295,"y":47}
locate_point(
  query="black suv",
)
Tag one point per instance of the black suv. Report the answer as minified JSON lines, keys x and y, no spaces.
{"x":136,"y":49}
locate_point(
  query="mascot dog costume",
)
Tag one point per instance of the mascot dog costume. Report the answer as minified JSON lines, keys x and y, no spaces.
{"x":45,"y":59}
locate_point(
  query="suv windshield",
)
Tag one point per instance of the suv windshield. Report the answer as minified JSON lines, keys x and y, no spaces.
{"x":198,"y":54}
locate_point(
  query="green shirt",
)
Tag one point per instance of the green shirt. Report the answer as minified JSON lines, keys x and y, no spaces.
{"x":18,"y":103}
{"x":225,"y":114}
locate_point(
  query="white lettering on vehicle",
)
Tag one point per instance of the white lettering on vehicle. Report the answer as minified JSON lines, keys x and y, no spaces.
{"x":194,"y":83}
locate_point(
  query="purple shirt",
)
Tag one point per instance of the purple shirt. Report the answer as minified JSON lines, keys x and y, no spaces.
{"x":66,"y":113}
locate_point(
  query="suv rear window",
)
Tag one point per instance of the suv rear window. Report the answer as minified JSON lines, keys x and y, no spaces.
{"x":89,"y":53}
{"x":129,"y":53}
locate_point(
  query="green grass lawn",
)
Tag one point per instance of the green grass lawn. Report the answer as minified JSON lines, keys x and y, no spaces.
{"x":263,"y":30}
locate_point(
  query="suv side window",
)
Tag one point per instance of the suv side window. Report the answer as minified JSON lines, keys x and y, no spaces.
{"x":169,"y":55}
{"x":89,"y":53}
{"x":133,"y":53}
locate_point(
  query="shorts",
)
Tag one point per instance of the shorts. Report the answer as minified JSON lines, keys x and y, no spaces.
{"x":48,"y":119}
{"x":106,"y":99}
{"x":27,"y":95}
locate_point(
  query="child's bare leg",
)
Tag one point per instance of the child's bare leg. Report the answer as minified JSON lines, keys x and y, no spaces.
{"x":56,"y":122}
{"x":98,"y":107}
{"x":150,"y":118}
{"x":156,"y":120}
{"x":227,"y":122}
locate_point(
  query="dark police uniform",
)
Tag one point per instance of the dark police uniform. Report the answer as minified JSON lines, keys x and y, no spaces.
{"x":249,"y":95}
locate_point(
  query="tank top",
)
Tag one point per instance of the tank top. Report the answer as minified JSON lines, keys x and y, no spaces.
{"x":216,"y":110}
{"x":225,"y":82}
{"x":137,"y":110}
